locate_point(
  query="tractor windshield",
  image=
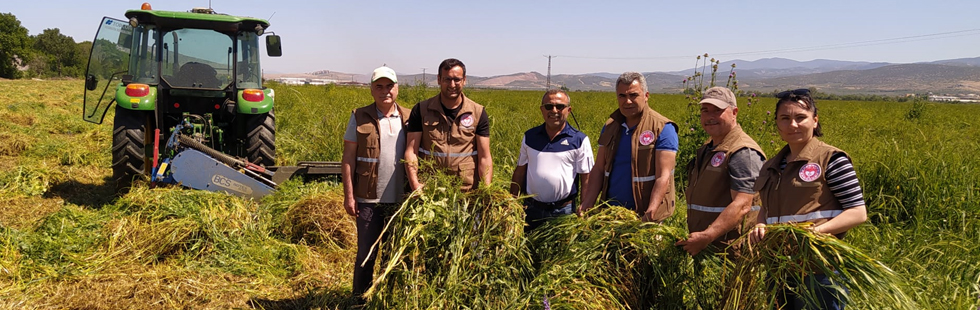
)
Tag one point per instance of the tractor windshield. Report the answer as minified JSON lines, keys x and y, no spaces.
{"x":197,"y":58}
{"x":143,"y":66}
{"x":249,"y":75}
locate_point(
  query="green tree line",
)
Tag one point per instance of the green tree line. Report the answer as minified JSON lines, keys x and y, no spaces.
{"x":48,"y":54}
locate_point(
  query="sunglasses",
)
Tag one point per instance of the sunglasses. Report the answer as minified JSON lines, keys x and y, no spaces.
{"x":797,"y":92}
{"x":549,"y":106}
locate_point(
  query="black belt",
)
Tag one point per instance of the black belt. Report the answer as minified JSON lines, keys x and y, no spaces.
{"x":531,"y":202}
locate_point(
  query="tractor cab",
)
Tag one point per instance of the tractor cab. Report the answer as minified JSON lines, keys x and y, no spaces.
{"x":197,"y":53}
{"x":197,"y":70}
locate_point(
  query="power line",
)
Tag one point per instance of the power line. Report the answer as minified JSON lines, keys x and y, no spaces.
{"x":931,"y":36}
{"x":934,"y":36}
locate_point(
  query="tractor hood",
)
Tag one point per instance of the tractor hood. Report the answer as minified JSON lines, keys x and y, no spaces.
{"x":177,"y":20}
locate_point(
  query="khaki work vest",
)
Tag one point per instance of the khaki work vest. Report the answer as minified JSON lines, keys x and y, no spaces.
{"x":797,"y":194}
{"x":644,"y":167}
{"x":451,"y":143}
{"x":369,"y":149}
{"x":709,"y":185}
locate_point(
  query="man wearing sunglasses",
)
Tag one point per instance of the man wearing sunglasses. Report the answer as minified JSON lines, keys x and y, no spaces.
{"x":637,"y":152}
{"x":451,"y":130}
{"x":554,"y":158}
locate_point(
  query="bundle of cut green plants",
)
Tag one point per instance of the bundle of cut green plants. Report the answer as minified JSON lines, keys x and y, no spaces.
{"x":451,"y":249}
{"x":789,"y":253}
{"x":611,"y":260}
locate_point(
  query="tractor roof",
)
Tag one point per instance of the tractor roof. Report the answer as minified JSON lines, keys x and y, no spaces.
{"x":218,"y":22}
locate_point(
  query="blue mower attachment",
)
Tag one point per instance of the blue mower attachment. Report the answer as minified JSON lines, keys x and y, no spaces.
{"x":198,"y":166}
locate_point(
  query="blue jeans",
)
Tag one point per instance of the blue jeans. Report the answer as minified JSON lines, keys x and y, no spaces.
{"x":537,"y":215}
{"x":823,"y":288}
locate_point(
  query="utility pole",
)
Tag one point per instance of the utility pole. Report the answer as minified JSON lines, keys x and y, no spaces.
{"x":549,"y":69}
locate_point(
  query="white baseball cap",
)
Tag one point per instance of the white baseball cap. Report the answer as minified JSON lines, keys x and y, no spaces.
{"x":384,"y":72}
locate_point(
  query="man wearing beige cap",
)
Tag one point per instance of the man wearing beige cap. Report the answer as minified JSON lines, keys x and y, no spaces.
{"x":721,"y":203}
{"x":373,"y":177}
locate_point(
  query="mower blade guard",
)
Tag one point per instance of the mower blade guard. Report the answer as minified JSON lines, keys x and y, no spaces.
{"x":194,"y":169}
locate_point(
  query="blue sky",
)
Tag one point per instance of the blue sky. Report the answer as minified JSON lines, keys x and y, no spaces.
{"x":502,"y":37}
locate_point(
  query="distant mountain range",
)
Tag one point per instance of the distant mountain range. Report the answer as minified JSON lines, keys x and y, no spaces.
{"x":952,"y":76}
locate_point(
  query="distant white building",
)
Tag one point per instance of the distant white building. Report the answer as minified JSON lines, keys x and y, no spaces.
{"x":291,"y":81}
{"x":321,"y":81}
{"x":973,"y":98}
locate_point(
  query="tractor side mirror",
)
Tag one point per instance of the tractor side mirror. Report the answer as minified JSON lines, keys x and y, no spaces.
{"x":273,"y":46}
{"x":90,"y":82}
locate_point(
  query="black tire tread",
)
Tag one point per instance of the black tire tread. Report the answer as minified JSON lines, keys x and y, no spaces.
{"x":127,"y":146}
{"x":261,"y":140}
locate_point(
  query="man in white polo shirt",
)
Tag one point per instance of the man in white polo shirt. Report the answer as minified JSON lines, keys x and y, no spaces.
{"x":554,"y":158}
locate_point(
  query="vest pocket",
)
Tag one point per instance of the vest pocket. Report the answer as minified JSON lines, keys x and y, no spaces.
{"x":365,"y":168}
{"x":367,"y":131}
{"x":713,"y":169}
{"x":467,"y":173}
{"x":800,"y":183}
{"x":434,"y":134}
{"x":468,"y":132}
{"x":365,"y":179}
{"x":698,"y":220}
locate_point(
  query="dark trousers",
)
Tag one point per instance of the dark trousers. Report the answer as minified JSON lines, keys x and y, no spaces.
{"x":371,"y":219}
{"x":537,"y":214}
{"x":824,"y":290}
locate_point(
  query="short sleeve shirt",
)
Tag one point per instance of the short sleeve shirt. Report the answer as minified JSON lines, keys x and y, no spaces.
{"x":391,"y":173}
{"x":743,"y":169}
{"x":620,"y":190}
{"x":415,"y":120}
{"x":553,"y":165}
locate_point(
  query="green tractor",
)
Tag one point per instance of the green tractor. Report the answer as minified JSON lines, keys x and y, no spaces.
{"x":197,"y":72}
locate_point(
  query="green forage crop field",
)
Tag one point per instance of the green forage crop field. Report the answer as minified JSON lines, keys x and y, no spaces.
{"x":67,"y":242}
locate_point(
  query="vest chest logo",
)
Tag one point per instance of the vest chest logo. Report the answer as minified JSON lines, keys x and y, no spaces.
{"x":810,"y":172}
{"x":717,"y":159}
{"x":466,"y":120}
{"x":564,"y":142}
{"x":646,"y":137}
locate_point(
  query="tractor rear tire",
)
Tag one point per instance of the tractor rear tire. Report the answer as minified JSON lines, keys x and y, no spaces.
{"x":261,"y":140}
{"x":128,"y":134}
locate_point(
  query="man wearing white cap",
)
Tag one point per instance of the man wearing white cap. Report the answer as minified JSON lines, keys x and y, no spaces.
{"x":721,"y":202}
{"x":373,"y":177}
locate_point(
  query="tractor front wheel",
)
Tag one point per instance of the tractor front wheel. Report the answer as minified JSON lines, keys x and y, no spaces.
{"x":128,"y":134}
{"x":261,"y":140}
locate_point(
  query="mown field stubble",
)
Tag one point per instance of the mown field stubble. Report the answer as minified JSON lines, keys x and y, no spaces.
{"x":67,"y":242}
